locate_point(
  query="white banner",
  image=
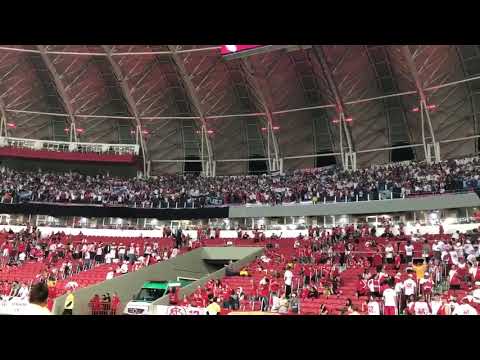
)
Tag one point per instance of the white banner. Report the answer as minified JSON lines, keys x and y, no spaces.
{"x":12,"y":306}
{"x":179,"y":310}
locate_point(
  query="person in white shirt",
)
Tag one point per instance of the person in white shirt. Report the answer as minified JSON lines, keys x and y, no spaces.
{"x":124,"y":268}
{"x":21,"y":257}
{"x":421,"y":307}
{"x":390,"y":301}
{"x":389,"y":253}
{"x":37,"y":301}
{"x":110,"y":274}
{"x":288,"y":278}
{"x":23,"y":292}
{"x":409,"y":286}
{"x":373,"y":307}
{"x":409,"y":252}
{"x":174,"y":253}
{"x":275,"y":302}
{"x":464,"y":309}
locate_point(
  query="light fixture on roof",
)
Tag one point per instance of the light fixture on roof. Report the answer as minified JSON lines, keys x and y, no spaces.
{"x":429,"y":107}
{"x":209,"y":132}
{"x":12,"y":125}
{"x":274,"y":128}
{"x":348,"y":120}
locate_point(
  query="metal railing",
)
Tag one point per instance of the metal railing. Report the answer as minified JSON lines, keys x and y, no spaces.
{"x":33,"y":144}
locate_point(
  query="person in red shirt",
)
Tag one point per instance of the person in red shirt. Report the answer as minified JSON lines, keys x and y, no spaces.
{"x":264,"y":293}
{"x":115,"y":303}
{"x":95,"y":305}
{"x":362,"y":288}
{"x":173,"y":296}
{"x":217,"y":233}
{"x":398,"y":261}
{"x":377,"y":259}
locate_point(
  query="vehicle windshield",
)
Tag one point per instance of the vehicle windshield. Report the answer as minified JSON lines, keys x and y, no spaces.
{"x":149,"y":295}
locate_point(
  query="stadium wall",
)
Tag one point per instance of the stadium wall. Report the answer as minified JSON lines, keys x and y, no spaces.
{"x":363,"y":207}
{"x":58,"y":210}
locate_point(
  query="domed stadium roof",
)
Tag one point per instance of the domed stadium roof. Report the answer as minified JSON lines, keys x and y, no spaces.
{"x":188,"y":101}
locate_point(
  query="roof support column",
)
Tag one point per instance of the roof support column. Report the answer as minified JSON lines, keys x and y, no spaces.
{"x":424,"y":111}
{"x":3,"y":120}
{"x":61,"y":91}
{"x":132,"y":106}
{"x":348,"y":159}
{"x":208,"y":166}
{"x":260,"y":92}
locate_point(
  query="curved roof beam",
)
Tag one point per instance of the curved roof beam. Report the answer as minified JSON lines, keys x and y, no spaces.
{"x":61,"y":91}
{"x":258,"y":86}
{"x":194,"y":100}
{"x":132,"y":106}
{"x":471,"y":93}
{"x":3,"y":120}
{"x":421,"y":92}
{"x":327,"y":72}
{"x":374,"y":63}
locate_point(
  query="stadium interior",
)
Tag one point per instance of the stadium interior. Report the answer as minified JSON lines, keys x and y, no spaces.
{"x":239,"y":180}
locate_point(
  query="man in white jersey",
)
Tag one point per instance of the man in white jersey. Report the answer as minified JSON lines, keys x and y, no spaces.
{"x":409,"y":252}
{"x":390,"y":300}
{"x":373,"y":306}
{"x":409,"y":286}
{"x":421,"y":307}
{"x":464,"y":309}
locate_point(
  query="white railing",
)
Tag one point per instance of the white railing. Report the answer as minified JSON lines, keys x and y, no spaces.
{"x":33,"y":144}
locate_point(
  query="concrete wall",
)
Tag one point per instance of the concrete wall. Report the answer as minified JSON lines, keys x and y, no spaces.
{"x":191,"y":265}
{"x":449,"y":201}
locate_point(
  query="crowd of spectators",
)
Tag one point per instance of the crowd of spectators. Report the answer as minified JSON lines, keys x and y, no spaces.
{"x":431,"y":274}
{"x":61,"y":256}
{"x":316,"y":185}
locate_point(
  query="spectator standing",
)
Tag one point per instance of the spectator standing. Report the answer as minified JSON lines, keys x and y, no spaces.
{"x":288,"y":279}
{"x":69,"y":303}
